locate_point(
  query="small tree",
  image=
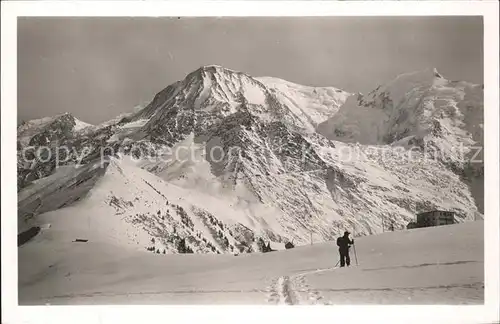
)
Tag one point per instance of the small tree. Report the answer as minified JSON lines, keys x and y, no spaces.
{"x":261,"y":245}
{"x":181,"y":246}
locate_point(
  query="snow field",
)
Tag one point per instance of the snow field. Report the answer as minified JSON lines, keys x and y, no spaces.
{"x":431,"y":265}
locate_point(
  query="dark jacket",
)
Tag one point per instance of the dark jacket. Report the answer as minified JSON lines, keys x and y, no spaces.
{"x":344,"y":243}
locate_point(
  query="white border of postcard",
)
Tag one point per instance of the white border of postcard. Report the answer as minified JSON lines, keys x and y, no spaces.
{"x":11,"y":313}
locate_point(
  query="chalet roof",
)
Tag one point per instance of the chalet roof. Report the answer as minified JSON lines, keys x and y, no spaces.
{"x":436,"y":210}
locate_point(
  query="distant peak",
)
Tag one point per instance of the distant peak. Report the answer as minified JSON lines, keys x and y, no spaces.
{"x":215,"y":68}
{"x":64,"y":115}
{"x":70,"y":116}
{"x":426,"y":76}
{"x":436,"y":73}
{"x":208,"y":71}
{"x":431,"y":72}
{"x":212,"y":66}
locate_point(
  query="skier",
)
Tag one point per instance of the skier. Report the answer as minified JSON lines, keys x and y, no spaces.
{"x":344,"y":243}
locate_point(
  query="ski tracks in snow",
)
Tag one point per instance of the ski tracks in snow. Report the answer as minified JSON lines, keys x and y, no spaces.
{"x":283,"y":292}
{"x":294,"y":290}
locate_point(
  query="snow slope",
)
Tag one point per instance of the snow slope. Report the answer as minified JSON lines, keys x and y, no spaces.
{"x":62,"y":188}
{"x":132,"y":208}
{"x":316,"y":103}
{"x":442,"y":265}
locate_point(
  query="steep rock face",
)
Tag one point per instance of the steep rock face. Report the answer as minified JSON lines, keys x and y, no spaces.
{"x":242,"y":151}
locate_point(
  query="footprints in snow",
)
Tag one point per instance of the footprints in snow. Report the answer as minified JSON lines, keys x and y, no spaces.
{"x":292,"y":291}
{"x":313,"y":296}
{"x":280,"y":292}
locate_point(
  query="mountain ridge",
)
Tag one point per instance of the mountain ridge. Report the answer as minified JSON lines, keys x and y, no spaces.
{"x":278,"y":166}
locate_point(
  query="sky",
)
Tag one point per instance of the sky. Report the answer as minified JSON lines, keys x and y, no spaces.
{"x":97,"y":68}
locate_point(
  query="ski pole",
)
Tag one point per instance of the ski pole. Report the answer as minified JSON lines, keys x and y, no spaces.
{"x":355,"y":256}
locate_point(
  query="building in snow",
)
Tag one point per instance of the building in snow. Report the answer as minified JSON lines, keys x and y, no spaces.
{"x":411,"y":225}
{"x":435,"y":218}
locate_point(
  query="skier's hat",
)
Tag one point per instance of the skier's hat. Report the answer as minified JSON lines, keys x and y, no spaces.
{"x":347,"y":233}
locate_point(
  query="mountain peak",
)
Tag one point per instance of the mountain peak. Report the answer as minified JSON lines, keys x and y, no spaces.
{"x":427,"y":74}
{"x":209,"y":71}
{"x":213,"y":68}
{"x":436,"y":73}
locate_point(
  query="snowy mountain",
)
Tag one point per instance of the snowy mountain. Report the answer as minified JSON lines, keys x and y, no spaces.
{"x":45,"y":130}
{"x":317,"y":104}
{"x":411,"y":107}
{"x":220,"y":159}
{"x":49,"y":132}
{"x":420,"y":110}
